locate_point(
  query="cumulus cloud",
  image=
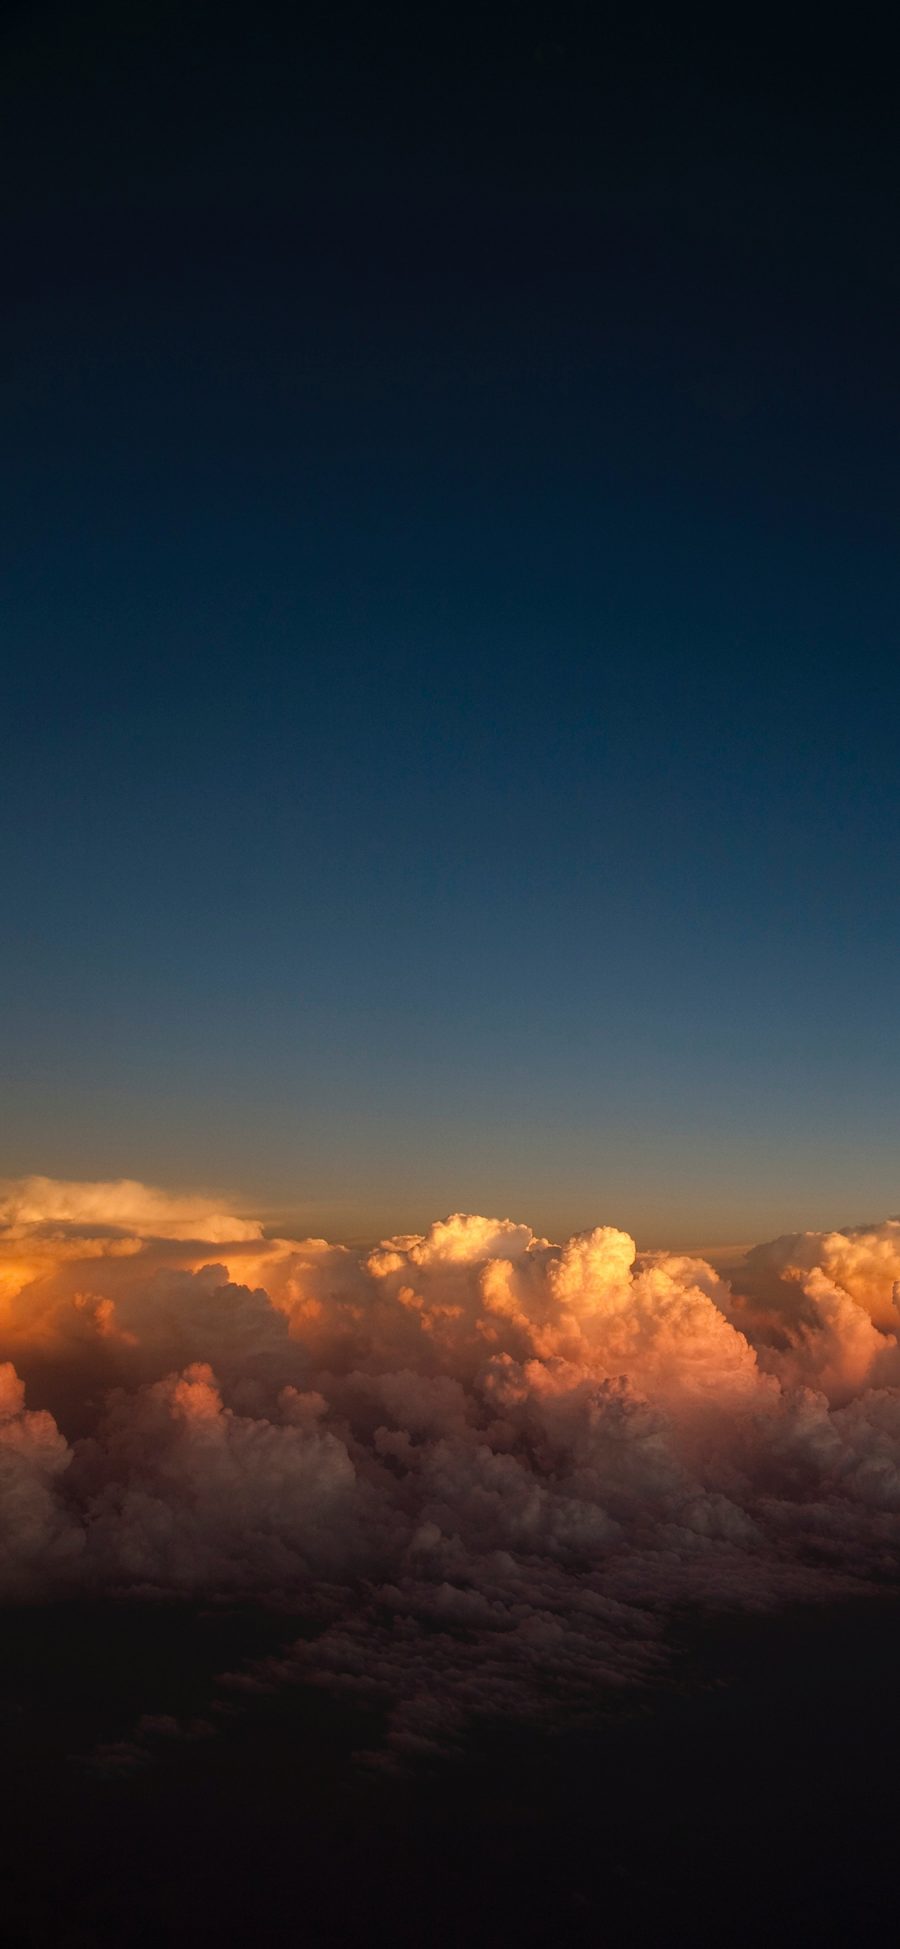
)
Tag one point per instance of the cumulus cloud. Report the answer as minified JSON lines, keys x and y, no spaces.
{"x":488,"y":1469}
{"x":38,"y":1538}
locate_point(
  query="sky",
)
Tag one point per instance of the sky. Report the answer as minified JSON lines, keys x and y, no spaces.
{"x":450,"y":573}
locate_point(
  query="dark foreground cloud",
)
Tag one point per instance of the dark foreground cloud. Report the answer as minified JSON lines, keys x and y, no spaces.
{"x":487,"y":1472}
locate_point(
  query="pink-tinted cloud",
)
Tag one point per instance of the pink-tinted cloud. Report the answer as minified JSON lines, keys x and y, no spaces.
{"x":489,"y":1468}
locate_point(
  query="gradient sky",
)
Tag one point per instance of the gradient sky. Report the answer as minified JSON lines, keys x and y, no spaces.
{"x":450,"y":699}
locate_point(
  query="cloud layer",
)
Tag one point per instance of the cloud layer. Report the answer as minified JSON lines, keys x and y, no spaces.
{"x":488,"y":1469}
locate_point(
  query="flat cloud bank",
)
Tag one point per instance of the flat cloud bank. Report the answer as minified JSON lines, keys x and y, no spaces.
{"x":489,"y":1470}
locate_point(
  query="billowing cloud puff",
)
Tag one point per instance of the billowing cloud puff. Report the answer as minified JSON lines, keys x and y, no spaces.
{"x":486,"y":1468}
{"x":38,"y":1538}
{"x":864,"y":1262}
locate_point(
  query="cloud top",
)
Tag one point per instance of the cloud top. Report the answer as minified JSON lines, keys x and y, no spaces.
{"x":488,"y":1468}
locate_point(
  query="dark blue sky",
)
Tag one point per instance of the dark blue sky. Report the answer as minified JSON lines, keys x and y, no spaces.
{"x":450,"y":702}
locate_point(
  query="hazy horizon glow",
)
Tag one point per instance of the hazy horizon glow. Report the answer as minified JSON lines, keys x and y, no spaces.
{"x":230,"y":1216}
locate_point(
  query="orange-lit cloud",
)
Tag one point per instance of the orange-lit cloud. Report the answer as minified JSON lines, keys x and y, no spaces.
{"x":489,"y":1465}
{"x":37,"y":1203}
